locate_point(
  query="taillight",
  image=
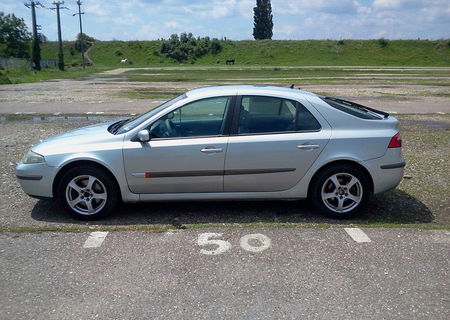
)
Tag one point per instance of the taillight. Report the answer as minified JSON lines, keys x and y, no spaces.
{"x":396,"y":141}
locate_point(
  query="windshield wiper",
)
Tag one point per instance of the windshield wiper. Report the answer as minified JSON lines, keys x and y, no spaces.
{"x":116,"y":126}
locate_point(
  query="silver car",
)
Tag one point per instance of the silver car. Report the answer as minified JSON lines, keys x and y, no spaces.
{"x":226,"y":142}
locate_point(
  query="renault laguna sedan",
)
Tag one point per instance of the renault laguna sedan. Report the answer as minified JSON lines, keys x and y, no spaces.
{"x":226,"y":142}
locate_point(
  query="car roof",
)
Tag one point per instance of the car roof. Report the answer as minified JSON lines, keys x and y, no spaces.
{"x":247,"y":89}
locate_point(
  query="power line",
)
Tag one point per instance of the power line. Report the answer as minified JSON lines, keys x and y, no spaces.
{"x":81,"y":31}
{"x":57,"y":5}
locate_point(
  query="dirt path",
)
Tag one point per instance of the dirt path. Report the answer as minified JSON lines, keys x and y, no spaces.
{"x":91,"y":96}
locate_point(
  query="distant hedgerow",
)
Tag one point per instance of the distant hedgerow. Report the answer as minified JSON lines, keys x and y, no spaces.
{"x":186,"y":47}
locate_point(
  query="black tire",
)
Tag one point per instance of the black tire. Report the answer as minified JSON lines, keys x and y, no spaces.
{"x":88,"y":202}
{"x":329,"y":198}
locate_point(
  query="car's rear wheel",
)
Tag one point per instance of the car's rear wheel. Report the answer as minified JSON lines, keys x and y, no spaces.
{"x":340,"y":191}
{"x":87,"y":192}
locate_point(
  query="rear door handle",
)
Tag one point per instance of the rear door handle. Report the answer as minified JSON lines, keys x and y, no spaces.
{"x":308,"y":146}
{"x":211,"y":150}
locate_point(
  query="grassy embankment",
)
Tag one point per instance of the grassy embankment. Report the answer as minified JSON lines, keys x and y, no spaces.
{"x":105,"y":55}
{"x":49,"y":50}
{"x":288,"y":53}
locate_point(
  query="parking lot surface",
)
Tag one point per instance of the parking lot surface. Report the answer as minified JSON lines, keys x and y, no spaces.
{"x":235,"y":260}
{"x":227,"y":274}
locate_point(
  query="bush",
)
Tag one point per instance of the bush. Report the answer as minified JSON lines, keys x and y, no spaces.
{"x":4,"y":78}
{"x":187,"y":48}
{"x":118,"y":53}
{"x":383,"y":43}
{"x":340,"y":42}
{"x":216,"y":47}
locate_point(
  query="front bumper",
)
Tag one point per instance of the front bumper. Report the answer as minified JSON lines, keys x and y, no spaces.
{"x":36,"y":179}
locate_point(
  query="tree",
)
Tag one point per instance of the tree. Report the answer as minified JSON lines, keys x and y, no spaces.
{"x":87,"y":42}
{"x":14,"y":37}
{"x":187,"y":48}
{"x":263,"y":24}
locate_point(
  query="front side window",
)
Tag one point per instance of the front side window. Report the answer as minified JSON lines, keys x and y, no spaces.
{"x":204,"y":117}
{"x":259,"y":114}
{"x":134,"y":122}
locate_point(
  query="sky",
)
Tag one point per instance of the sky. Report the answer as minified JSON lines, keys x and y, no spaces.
{"x":233,"y":19}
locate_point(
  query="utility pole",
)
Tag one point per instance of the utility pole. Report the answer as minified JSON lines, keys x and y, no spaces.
{"x":35,"y":47}
{"x":81,"y":31}
{"x":60,"y":45}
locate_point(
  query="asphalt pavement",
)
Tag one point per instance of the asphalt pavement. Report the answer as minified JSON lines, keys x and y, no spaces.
{"x":274,"y":273}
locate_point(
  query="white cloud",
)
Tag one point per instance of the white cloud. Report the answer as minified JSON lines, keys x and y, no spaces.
{"x":293,"y":19}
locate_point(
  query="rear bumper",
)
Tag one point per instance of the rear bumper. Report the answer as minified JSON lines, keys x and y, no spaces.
{"x":387,"y":171}
{"x":36,"y":179}
{"x":394,"y":165}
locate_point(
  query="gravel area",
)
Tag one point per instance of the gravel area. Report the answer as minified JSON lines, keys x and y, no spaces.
{"x":97,"y":95}
{"x":422,"y":197}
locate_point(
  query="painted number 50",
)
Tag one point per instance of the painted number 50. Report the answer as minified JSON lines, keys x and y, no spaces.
{"x":205,"y":239}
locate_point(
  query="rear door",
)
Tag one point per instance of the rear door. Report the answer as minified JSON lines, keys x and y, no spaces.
{"x":274,"y":141}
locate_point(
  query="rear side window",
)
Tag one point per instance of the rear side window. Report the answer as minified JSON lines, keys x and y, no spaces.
{"x":259,"y":114}
{"x":353,"y":108}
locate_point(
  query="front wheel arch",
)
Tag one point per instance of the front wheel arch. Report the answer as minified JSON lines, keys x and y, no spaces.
{"x":79,"y":163}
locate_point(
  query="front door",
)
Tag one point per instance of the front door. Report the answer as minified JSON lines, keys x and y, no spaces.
{"x":186,"y":152}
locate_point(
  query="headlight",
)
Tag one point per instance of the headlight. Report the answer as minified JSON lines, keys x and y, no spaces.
{"x":32,"y":157}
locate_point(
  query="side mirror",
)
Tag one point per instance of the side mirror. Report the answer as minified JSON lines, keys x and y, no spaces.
{"x":143,"y":135}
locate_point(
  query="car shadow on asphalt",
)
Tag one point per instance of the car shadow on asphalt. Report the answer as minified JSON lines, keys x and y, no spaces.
{"x":392,"y":207}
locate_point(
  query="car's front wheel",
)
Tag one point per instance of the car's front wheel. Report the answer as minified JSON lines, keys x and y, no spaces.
{"x":340,"y":191}
{"x":87,"y":192}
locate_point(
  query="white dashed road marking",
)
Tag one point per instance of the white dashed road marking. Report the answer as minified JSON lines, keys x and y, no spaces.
{"x":357,"y":234}
{"x":95,"y":239}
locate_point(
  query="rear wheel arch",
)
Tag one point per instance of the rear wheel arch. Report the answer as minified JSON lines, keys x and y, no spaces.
{"x":79,"y":163}
{"x":336,"y":163}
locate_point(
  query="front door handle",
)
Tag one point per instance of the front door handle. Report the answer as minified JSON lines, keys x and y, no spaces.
{"x":308,"y":146}
{"x":211,"y":150}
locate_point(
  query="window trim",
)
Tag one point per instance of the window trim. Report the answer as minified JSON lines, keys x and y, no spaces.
{"x":237,"y":113}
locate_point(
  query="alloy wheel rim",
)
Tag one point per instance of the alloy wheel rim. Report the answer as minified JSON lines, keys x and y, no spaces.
{"x":86,"y":194}
{"x":342,"y":192}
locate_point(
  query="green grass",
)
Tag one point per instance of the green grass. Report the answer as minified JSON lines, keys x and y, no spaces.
{"x":288,"y":53}
{"x":254,"y":59}
{"x":25,"y":75}
{"x":286,"y":75}
{"x":165,"y":228}
{"x":151,"y":93}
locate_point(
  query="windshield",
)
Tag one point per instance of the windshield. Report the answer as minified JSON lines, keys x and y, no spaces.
{"x":134,"y":122}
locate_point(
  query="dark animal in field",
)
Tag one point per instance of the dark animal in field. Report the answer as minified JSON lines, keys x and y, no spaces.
{"x":218,"y":61}
{"x":230,"y":61}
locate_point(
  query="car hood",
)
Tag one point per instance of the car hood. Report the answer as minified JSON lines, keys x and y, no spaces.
{"x":82,"y":139}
